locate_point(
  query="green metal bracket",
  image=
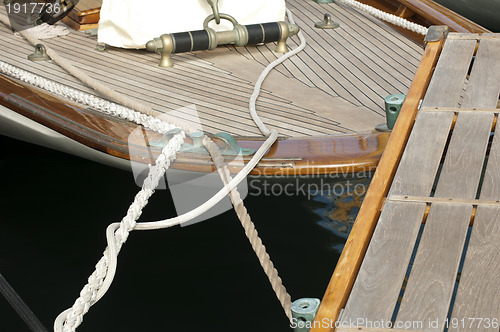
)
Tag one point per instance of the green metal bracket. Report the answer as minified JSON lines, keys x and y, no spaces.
{"x":231,"y":146}
{"x":197,"y":146}
{"x":162,"y":142}
{"x":303,"y":313}
{"x":393,"y":105}
{"x":324,"y":1}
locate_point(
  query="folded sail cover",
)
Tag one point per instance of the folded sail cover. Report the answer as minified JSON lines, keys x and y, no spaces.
{"x":132,"y":23}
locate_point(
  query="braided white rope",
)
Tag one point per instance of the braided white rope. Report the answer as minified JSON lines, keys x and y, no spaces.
{"x":116,"y":234}
{"x":46,"y":31}
{"x":86,"y":99}
{"x":396,"y":20}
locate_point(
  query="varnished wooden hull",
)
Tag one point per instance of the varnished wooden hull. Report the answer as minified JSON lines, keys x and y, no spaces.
{"x":108,"y":136}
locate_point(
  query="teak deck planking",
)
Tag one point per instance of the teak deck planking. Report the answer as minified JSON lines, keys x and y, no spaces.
{"x":336,"y":86}
{"x":461,"y":138}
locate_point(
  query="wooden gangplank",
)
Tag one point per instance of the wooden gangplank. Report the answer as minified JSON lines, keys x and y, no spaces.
{"x":433,"y":260}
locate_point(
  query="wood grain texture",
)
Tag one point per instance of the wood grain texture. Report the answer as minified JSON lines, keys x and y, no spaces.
{"x":119,"y":137}
{"x":420,"y":161}
{"x":381,"y":275}
{"x":449,"y":77}
{"x":364,"y":72}
{"x":336,"y":86}
{"x":491,"y":182}
{"x":347,"y":268}
{"x":464,"y":159}
{"x":478,"y":295}
{"x":430,"y":286}
{"x":483,"y":87}
{"x":88,"y":4}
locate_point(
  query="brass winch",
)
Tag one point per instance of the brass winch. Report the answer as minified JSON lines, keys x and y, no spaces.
{"x":209,"y":39}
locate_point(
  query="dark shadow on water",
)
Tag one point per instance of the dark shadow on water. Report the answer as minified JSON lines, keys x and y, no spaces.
{"x":54,"y":212}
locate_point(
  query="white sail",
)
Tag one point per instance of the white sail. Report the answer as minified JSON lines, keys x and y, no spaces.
{"x":132,"y":23}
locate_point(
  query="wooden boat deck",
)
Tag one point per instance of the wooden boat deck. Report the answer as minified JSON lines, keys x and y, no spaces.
{"x":336,"y":86}
{"x":433,"y":260}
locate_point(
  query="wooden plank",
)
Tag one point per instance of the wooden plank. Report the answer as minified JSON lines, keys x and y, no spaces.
{"x":448,"y":79}
{"x":375,"y":292}
{"x":491,"y":181}
{"x":463,"y":36}
{"x":478,"y":295}
{"x":356,"y":245}
{"x":425,"y":149}
{"x":458,"y":110}
{"x":464,"y":160}
{"x":347,"y":56}
{"x":430,"y":287}
{"x":88,"y":4}
{"x":364,"y":55}
{"x":424,"y":199}
{"x":483,"y":87}
{"x":77,"y":26}
{"x":477,"y":306}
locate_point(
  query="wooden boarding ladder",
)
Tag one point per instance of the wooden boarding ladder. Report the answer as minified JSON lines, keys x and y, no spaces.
{"x":433,"y":260}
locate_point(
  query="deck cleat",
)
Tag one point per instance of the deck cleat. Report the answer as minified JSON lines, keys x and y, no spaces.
{"x":40,"y":54}
{"x":197,"y":146}
{"x":232,"y":148}
{"x":327,"y":23}
{"x":161,"y":143}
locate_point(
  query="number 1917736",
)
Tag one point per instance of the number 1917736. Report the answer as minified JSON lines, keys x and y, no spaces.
{"x":32,"y":7}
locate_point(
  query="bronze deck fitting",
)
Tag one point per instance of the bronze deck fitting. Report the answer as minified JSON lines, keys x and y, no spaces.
{"x":209,"y":39}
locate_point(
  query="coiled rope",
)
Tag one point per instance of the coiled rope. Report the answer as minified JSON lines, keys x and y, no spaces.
{"x":393,"y":19}
{"x":117,"y":233}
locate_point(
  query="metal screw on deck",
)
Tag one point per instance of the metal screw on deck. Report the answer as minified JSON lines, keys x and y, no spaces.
{"x":393,"y":105}
{"x":303,"y":313}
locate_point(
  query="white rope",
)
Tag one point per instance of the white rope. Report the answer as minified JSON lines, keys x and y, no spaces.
{"x":117,"y":233}
{"x":253,"y":236}
{"x":47,"y":31}
{"x":266,"y":71}
{"x":396,"y":20}
{"x":86,"y":99}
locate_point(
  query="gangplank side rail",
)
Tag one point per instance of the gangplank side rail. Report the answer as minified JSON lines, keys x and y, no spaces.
{"x":355,"y":248}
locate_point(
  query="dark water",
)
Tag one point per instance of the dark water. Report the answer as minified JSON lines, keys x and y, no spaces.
{"x":205,"y":277}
